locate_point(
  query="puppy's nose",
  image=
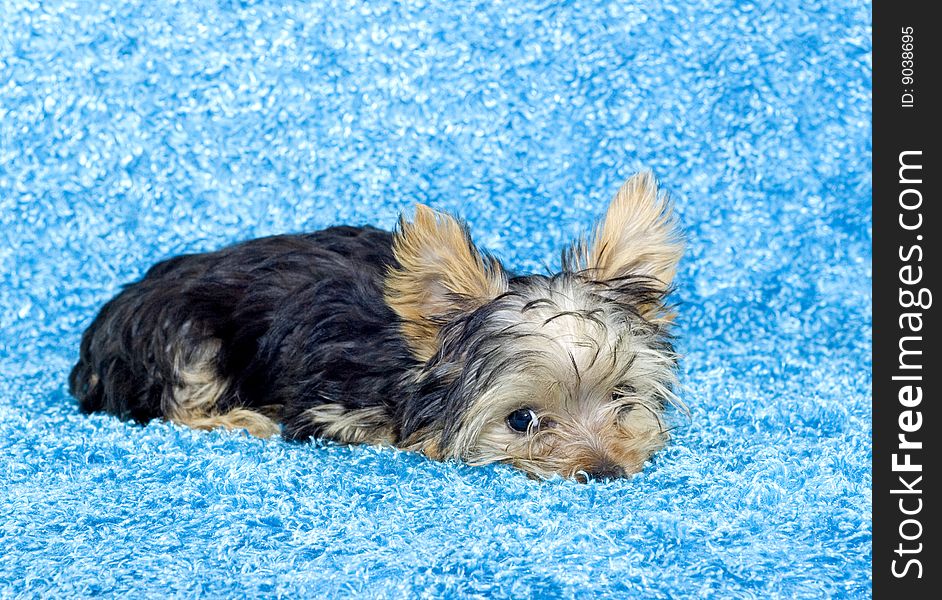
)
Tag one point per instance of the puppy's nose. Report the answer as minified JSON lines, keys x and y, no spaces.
{"x":604,"y":470}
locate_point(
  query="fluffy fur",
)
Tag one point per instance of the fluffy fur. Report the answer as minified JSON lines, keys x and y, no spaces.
{"x":413,"y":338}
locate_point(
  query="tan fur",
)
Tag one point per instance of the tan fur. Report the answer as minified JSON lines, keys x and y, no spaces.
{"x":424,"y":442}
{"x":198,"y":386}
{"x":366,"y":425}
{"x":254,"y":423}
{"x":194,"y":398}
{"x":441,"y":272}
{"x":638,"y":235}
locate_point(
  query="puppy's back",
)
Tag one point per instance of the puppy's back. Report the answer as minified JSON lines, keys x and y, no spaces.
{"x":186,"y":342}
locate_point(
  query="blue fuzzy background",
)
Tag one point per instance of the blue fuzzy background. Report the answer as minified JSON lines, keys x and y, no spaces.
{"x":130,"y":132}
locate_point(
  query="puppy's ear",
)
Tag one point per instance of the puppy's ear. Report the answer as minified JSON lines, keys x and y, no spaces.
{"x":441,"y":274}
{"x":639,"y":236}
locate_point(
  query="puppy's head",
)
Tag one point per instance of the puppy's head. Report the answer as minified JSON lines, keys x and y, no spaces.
{"x":562,"y":374}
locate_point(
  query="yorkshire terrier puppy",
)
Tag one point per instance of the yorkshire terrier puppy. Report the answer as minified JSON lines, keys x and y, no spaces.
{"x":413,"y":338}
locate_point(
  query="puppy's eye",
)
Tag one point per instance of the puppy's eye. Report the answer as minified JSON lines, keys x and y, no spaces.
{"x":522,"y":419}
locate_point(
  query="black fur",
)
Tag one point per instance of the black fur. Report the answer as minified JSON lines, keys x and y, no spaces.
{"x":301,"y":321}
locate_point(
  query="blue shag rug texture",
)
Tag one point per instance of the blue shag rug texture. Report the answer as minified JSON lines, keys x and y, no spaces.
{"x":133,"y":131}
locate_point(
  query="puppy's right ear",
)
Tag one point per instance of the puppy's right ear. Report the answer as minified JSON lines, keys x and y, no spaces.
{"x":441,"y":274}
{"x":638,"y":236}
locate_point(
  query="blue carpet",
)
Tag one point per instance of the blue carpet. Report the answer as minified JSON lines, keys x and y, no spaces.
{"x":131,"y":132}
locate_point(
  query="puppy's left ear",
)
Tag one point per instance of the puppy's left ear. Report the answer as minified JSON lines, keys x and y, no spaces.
{"x":441,"y":275}
{"x":639,"y":236}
